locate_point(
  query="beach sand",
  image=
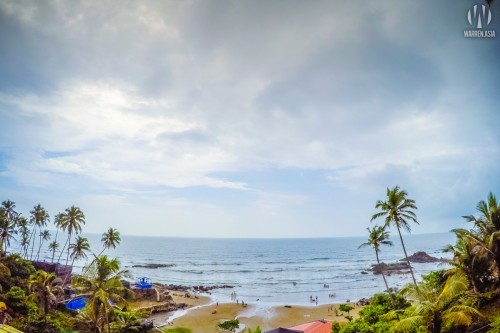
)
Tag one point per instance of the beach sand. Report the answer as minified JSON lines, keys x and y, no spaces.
{"x":204,"y":318}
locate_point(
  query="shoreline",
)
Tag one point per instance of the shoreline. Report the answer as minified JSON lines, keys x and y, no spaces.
{"x":203,"y":314}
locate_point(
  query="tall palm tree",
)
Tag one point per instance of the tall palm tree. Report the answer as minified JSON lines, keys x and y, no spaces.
{"x":8,"y":210}
{"x":44,"y":290}
{"x":44,"y":236}
{"x":378,"y":236}
{"x":39,"y":219}
{"x":23,"y":225}
{"x":485,"y":235}
{"x":53,"y":246}
{"x":71,"y":221}
{"x":78,"y":250}
{"x":448,"y":307}
{"x":110,"y":239}
{"x":101,"y":284}
{"x":8,"y":220}
{"x":398,"y":210}
{"x":7,"y":231}
{"x":463,"y":260}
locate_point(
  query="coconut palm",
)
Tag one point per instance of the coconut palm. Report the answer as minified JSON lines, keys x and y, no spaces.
{"x":44,"y":236}
{"x":71,"y":221}
{"x":7,"y":231}
{"x":110,"y":239}
{"x":79,"y":249}
{"x":398,"y":211}
{"x":378,"y":236}
{"x":23,"y":225}
{"x":8,"y":220}
{"x":44,"y":290}
{"x":53,"y":246}
{"x":484,"y":242}
{"x":39,"y":219}
{"x":463,"y":259}
{"x":8,"y":210}
{"x":448,"y":307}
{"x":101,"y":284}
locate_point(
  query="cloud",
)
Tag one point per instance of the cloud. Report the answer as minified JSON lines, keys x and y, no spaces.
{"x":187,"y":105}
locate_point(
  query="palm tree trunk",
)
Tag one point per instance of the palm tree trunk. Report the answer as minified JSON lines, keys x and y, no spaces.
{"x":383,"y":276}
{"x":67,"y":255}
{"x":39,"y":248}
{"x":33,"y":246}
{"x":406,"y":255}
{"x":54,"y":250}
{"x":62,"y":251}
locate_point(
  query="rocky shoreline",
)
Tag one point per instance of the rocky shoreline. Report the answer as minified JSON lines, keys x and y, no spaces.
{"x":402,"y":266}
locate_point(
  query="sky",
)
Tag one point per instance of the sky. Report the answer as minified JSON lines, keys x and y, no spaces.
{"x":247,"y":118}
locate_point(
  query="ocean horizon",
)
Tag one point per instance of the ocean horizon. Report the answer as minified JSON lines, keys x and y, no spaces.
{"x":271,"y":271}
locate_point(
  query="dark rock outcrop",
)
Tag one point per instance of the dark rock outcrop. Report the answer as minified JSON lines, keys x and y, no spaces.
{"x":394,"y":268}
{"x":422,"y":257}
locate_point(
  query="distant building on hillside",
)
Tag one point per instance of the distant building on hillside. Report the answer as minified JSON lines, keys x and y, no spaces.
{"x":317,"y":326}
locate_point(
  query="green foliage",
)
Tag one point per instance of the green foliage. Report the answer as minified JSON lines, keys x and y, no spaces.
{"x":229,"y":325}
{"x":435,"y":279}
{"x":256,"y":330}
{"x":495,"y":325}
{"x":20,"y":270}
{"x":177,"y":330}
{"x":346,"y":308}
{"x":18,"y":301}
{"x":335,"y":327}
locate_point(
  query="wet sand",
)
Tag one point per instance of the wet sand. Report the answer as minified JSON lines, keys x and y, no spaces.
{"x":204,"y":316}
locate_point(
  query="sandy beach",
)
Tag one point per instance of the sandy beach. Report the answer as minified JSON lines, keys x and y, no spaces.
{"x":203,"y":316}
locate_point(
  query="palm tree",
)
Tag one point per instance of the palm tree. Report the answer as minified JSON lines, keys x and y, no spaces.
{"x":23,"y":225}
{"x":7,"y":231}
{"x":433,"y":309}
{"x":8,"y":220}
{"x":378,"y":236}
{"x":78,"y":250}
{"x":53,"y":246}
{"x":398,"y":210}
{"x":110,"y":239}
{"x":463,"y":261}
{"x":71,"y":221}
{"x":44,"y":287}
{"x":8,"y":210}
{"x":101,"y":284}
{"x":485,"y":236}
{"x":39,"y":219}
{"x":44,"y":236}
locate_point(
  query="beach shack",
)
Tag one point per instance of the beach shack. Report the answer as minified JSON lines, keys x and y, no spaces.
{"x":143,"y":283}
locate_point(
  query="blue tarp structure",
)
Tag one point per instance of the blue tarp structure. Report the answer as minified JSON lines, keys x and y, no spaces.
{"x":77,"y":303}
{"x":143,"y":283}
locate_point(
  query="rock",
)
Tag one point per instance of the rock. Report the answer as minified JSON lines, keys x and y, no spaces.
{"x":364,"y":272}
{"x":422,"y":257}
{"x":394,"y":268}
{"x":363,"y":302}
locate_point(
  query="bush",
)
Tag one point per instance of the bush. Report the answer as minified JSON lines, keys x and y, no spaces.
{"x":229,"y":325}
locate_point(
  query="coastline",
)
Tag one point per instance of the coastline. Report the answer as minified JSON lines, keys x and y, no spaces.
{"x":203,"y":314}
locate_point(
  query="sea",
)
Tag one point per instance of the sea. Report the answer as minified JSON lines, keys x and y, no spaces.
{"x":271,"y":271}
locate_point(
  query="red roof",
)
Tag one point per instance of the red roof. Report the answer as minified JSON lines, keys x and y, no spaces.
{"x":318,"y":326}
